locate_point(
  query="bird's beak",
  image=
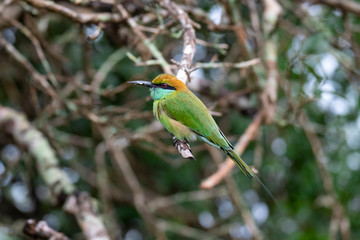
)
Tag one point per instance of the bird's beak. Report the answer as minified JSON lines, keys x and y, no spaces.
{"x":143,"y":83}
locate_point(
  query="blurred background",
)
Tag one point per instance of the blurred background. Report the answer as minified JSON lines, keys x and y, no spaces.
{"x":63,"y":69}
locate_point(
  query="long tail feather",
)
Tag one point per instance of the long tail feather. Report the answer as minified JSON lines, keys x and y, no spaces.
{"x":266,"y":189}
{"x":248,"y":172}
{"x":243,"y":166}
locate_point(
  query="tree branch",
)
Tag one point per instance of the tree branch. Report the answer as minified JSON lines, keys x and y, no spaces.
{"x":348,"y":6}
{"x":152,"y":48}
{"x":41,"y":230}
{"x":340,"y":222}
{"x":83,"y":207}
{"x":188,"y":36}
{"x":116,"y":148}
{"x":76,"y":15}
{"x":26,"y":135}
{"x":17,"y":56}
{"x":48,"y":166}
{"x":272,"y":12}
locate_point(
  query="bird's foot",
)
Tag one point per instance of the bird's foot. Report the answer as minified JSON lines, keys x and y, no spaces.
{"x":183,"y":148}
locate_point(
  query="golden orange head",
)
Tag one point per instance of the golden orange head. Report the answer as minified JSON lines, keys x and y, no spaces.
{"x":170,"y":80}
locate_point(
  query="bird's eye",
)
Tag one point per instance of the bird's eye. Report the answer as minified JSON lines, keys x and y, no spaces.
{"x":163,"y":85}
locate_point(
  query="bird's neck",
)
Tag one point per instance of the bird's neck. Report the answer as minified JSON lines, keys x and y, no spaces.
{"x":159,"y":93}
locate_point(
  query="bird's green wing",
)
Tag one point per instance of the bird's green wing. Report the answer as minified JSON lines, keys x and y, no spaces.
{"x":188,"y":109}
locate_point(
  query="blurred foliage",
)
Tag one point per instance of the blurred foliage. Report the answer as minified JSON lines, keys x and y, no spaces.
{"x":318,"y":65}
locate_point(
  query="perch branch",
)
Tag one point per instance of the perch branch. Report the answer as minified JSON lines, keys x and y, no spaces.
{"x":185,"y":64}
{"x":183,"y":148}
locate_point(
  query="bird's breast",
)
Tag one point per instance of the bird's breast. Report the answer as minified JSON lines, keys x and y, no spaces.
{"x":171,"y":124}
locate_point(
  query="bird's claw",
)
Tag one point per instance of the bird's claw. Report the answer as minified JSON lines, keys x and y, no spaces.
{"x":183,"y":148}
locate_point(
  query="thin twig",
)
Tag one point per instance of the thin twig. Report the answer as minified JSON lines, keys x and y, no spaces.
{"x":105,"y":68}
{"x":116,"y":148}
{"x":348,"y":6}
{"x":240,"y":205}
{"x":185,"y":231}
{"x":150,"y":45}
{"x":198,"y":195}
{"x":27,"y":32}
{"x":16,"y":55}
{"x":77,"y":16}
{"x":243,"y":64}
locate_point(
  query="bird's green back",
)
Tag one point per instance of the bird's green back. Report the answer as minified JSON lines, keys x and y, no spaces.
{"x":188,"y":109}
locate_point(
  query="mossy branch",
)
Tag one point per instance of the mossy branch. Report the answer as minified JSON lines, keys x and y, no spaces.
{"x":80,"y":205}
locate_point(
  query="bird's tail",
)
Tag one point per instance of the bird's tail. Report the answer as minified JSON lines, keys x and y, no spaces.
{"x":243,"y":166}
{"x":248,"y":172}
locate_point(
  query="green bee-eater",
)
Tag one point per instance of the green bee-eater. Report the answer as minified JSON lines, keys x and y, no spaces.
{"x":185,"y":116}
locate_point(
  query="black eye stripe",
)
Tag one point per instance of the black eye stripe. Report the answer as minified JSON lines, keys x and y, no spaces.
{"x":160,"y":85}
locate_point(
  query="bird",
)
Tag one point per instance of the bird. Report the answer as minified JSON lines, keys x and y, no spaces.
{"x":186,"y":117}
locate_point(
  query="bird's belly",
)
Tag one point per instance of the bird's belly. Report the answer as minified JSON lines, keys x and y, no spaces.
{"x":175,"y":127}
{"x":180,"y":131}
